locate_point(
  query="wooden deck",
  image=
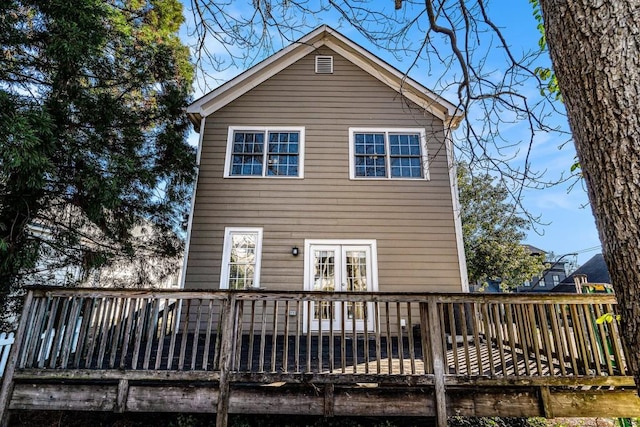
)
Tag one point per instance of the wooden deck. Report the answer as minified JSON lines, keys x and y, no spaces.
{"x":432,"y":355}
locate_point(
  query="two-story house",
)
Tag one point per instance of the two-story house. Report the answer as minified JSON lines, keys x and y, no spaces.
{"x":325,"y":168}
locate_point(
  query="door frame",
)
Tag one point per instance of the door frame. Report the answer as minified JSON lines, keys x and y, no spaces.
{"x":372,"y":287}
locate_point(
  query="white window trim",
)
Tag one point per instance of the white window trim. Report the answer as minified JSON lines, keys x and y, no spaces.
{"x":265,"y":129}
{"x":344,"y":242}
{"x":226,"y":254}
{"x":423,"y":153}
{"x":308,"y":243}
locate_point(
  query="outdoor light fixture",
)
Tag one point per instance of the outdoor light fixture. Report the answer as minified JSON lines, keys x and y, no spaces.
{"x":294,"y":251}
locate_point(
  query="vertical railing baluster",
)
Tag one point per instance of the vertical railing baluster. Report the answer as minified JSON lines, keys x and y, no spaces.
{"x":400,"y":338}
{"x":56,"y":344}
{"x":558,"y":342}
{"x":263,"y":333}
{"x":578,"y":330}
{"x":412,"y":350}
{"x":454,"y":335}
{"x":285,"y":349}
{"x":522,"y":336}
{"x":70,"y":331}
{"x":354,"y":339}
{"x":274,"y":337}
{"x":298,"y":332}
{"x":465,"y":338}
{"x":87,"y":315}
{"x":185,"y":333}
{"x":343,"y":338}
{"x":511,"y":323}
{"x":365,"y":345}
{"x":534,"y":337}
{"x":49,"y":333}
{"x":594,"y":344}
{"x":476,"y":338}
{"x":130,"y":309}
{"x":604,"y":340}
{"x":568,"y":334}
{"x":239,"y":319}
{"x":618,"y":350}
{"x":161,"y":334}
{"x":174,"y":332}
{"x":376,"y":319}
{"x":252,"y":326}
{"x":116,"y":342}
{"x":387,"y":313}
{"x":196,"y":336}
{"x":207,"y":339}
{"x":334,"y":304}
{"x":152,"y":321}
{"x":488,"y":337}
{"x":310,"y":315}
{"x":544,"y":332}
{"x":30,"y":334}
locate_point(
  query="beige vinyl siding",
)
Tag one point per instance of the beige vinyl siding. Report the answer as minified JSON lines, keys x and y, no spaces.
{"x":411,"y":220}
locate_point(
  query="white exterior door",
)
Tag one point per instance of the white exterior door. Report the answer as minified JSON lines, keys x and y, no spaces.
{"x":341,"y":266}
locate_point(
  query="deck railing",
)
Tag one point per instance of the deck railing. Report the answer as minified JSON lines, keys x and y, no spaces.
{"x":264,"y":337}
{"x":320,"y":333}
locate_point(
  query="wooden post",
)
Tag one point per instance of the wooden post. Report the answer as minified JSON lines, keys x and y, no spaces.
{"x":121,"y":397}
{"x":329,"y":401}
{"x":429,"y":317}
{"x":7,"y":383}
{"x":545,"y":396}
{"x":227,"y":336}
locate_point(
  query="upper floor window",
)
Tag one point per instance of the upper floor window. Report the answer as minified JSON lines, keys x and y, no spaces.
{"x":265,"y":152}
{"x":556,"y":280}
{"x":387,"y":153}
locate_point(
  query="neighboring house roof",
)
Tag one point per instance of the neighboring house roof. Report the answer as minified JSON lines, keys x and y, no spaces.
{"x":325,"y":36}
{"x":533,"y":250}
{"x":595,"y":269}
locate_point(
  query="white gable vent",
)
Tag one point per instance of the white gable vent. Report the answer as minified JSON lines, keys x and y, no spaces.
{"x":324,"y":64}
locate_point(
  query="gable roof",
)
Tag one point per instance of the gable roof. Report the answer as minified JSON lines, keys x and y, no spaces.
{"x":325,"y":36}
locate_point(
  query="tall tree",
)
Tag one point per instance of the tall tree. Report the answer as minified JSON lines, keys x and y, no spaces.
{"x":493,"y":232}
{"x":92,"y":132}
{"x":595,"y":49}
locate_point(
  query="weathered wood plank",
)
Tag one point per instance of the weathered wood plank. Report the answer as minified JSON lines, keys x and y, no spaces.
{"x":144,"y":398}
{"x":304,"y":399}
{"x":596,"y":403}
{"x":64,"y":397}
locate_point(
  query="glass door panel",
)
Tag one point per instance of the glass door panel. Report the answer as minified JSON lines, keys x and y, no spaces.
{"x":325,"y":277}
{"x":340,"y":268}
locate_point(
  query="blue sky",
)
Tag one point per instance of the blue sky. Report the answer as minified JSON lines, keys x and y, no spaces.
{"x":568,"y":224}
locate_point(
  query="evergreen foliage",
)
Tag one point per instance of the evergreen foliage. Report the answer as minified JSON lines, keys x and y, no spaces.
{"x":493,"y":232}
{"x":92,"y":133}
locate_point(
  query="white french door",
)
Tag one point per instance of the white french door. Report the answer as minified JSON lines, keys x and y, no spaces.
{"x":343,"y":266}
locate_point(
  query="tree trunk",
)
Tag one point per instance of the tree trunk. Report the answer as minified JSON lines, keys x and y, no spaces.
{"x":595,"y":50}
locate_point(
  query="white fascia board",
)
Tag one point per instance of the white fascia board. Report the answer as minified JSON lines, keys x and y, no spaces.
{"x":424,"y":97}
{"x":235,"y":86}
{"x":231,"y":93}
{"x":457,"y":210}
{"x":183,"y":272}
{"x":256,"y":75}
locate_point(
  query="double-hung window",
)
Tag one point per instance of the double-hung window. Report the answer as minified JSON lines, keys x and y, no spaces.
{"x":265,"y":152}
{"x":387,"y":153}
{"x":241,"y":258}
